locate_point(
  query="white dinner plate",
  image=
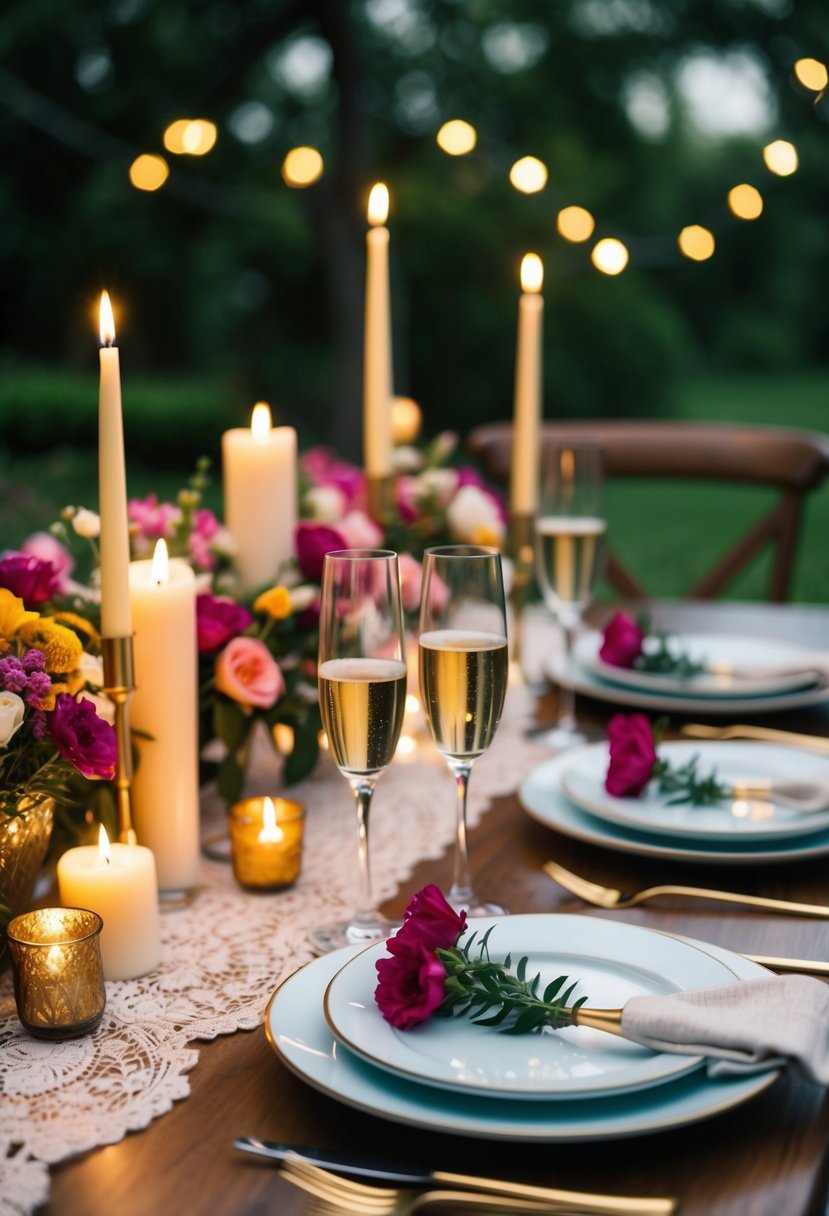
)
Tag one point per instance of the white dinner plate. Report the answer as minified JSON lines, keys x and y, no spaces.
{"x":754,"y":819}
{"x":719,"y":650}
{"x":298,"y":1033}
{"x":541,"y":795}
{"x":611,"y":962}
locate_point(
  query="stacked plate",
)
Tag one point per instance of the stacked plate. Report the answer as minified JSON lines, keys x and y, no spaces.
{"x":452,"y":1076}
{"x":567,"y":793}
{"x":741,"y":675}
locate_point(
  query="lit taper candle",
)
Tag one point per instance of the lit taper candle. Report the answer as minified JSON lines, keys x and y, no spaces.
{"x":116,"y":619}
{"x":377,"y":364}
{"x":526,"y":424}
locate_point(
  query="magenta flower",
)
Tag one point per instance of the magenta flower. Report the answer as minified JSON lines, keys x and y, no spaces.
{"x":326,"y":469}
{"x":430,"y":920}
{"x":632,"y":755}
{"x":621,"y":641}
{"x":218,"y":619}
{"x":410,"y":984}
{"x":312,"y":542}
{"x":44,"y":546}
{"x":29,"y":577}
{"x":83,"y":738}
{"x":152,"y":518}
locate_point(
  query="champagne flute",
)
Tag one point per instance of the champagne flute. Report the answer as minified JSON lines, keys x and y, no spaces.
{"x":463,"y":661}
{"x":569,"y":553}
{"x":362,"y":689}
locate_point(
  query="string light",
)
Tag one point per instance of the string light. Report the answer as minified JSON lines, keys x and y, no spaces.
{"x":575,"y":224}
{"x":610,"y":255}
{"x":812,"y":74}
{"x":746,"y":202}
{"x":149,"y":172}
{"x":696,"y":242}
{"x":529,"y":175}
{"x":302,"y":167}
{"x":457,"y":137}
{"x":781,"y":158}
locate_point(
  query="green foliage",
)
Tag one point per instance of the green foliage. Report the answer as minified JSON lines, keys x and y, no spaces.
{"x":687,"y":786}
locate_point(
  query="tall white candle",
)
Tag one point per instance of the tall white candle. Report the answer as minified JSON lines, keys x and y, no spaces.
{"x":260,"y":496}
{"x":377,"y":356}
{"x":526,"y":423}
{"x":118,"y":881}
{"x":165,"y":786}
{"x":112,"y":487}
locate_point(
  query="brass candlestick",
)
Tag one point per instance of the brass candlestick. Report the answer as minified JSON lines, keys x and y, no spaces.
{"x":119,"y":683}
{"x":380,"y":496}
{"x":520,"y":540}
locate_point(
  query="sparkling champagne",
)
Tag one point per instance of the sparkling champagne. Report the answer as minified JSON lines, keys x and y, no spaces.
{"x":362,"y":703}
{"x":463,"y":681}
{"x":569,"y":552}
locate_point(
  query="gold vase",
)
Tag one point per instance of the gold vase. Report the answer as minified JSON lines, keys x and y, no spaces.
{"x":24,"y":839}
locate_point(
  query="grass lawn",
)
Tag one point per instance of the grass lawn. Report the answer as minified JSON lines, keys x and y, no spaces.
{"x":667,"y":533}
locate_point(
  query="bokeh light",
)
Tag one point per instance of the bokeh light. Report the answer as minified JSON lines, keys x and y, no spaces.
{"x":457,"y":137}
{"x":610,"y":255}
{"x":149,"y":172}
{"x":575,"y":224}
{"x":190,"y":137}
{"x":302,"y":167}
{"x":529,"y":175}
{"x":696,"y":242}
{"x":812,"y":74}
{"x":746,"y":202}
{"x":781,"y":157}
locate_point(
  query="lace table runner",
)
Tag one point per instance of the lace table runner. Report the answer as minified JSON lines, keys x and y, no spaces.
{"x":222,"y":958}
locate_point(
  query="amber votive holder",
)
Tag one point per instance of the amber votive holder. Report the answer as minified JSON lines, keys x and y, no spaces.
{"x":58,"y":976}
{"x":266,"y":842}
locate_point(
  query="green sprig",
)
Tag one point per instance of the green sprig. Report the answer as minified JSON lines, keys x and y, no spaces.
{"x":491,"y":994}
{"x":688,"y":786}
{"x":663,"y":661}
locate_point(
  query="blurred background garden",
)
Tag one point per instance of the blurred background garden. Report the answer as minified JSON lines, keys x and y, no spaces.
{"x":209,"y":163}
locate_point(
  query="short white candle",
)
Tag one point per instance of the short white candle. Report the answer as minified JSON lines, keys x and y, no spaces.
{"x":112,"y":487}
{"x":377,"y":351}
{"x":165,"y":786}
{"x":528,"y":382}
{"x":118,"y":881}
{"x":260,"y":496}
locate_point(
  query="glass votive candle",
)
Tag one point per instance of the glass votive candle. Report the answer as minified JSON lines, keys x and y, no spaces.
{"x":58,"y":977}
{"x":266,"y":842}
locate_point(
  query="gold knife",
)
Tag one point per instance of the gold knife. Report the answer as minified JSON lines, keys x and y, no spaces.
{"x":769,"y":734}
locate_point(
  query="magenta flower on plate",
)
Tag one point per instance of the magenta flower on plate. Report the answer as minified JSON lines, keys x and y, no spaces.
{"x":430,"y":920}
{"x":621,"y":641}
{"x":218,"y":619}
{"x":410,"y":984}
{"x":83,"y":738}
{"x":632,"y":755}
{"x":31,"y":578}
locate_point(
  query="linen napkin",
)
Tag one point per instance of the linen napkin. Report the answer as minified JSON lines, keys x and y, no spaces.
{"x":742,"y":1028}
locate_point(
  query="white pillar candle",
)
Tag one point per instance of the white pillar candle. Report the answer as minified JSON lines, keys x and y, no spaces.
{"x":260,"y":496}
{"x":526,"y":425}
{"x":118,"y":881}
{"x":165,"y":786}
{"x":377,"y":355}
{"x":112,"y":487}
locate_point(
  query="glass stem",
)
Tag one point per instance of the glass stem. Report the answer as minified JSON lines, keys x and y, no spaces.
{"x":460,"y":893}
{"x":566,"y":694}
{"x":366,"y":913}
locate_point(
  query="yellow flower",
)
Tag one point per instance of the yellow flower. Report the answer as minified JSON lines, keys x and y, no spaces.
{"x":484,"y":535}
{"x":276,"y":602}
{"x":13,"y":613}
{"x":78,"y":624}
{"x":61,"y":648}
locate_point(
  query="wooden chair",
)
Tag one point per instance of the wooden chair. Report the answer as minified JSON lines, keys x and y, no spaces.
{"x":790,"y":461}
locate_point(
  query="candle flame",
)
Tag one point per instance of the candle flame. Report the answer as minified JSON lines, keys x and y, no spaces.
{"x":106,"y":321}
{"x":104,"y":851}
{"x":260,"y":420}
{"x":532,"y":273}
{"x":271,"y":833}
{"x":378,"y":204}
{"x":160,"y":569}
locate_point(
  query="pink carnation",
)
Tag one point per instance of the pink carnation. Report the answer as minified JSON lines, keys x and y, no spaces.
{"x":411,"y":981}
{"x":247,"y":672}
{"x":632,"y":755}
{"x":621,"y":641}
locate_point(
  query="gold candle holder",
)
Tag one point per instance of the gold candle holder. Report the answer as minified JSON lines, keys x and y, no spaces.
{"x":520,"y":540}
{"x":266,"y":842}
{"x":380,"y":498}
{"x":58,"y":976}
{"x":119,"y":684}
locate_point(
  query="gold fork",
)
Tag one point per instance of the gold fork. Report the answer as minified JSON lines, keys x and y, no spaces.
{"x":610,"y":897}
{"x":493,"y":1195}
{"x":769,"y":734}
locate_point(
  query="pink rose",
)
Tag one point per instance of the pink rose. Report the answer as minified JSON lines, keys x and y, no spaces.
{"x":409,"y":984}
{"x":359,"y":531}
{"x":218,"y":619}
{"x":247,"y":672}
{"x":621,"y":641}
{"x":430,"y":920}
{"x":44,"y":546}
{"x":632,"y":755}
{"x":312,"y":542}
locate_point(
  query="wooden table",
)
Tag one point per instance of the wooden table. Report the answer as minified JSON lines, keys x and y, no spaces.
{"x":767,"y":1158}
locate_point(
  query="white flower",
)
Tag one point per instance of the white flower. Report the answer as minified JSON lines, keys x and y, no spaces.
{"x":439,"y":484}
{"x":473,"y":517}
{"x":407,"y":459}
{"x":224,"y":542}
{"x":302,"y":597}
{"x":12,"y":709}
{"x":86,"y":523}
{"x":91,"y":667}
{"x":325,"y":503}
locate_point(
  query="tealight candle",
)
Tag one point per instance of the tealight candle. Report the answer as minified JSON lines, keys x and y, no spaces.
{"x":266,"y":841}
{"x":58,"y":978}
{"x":118,"y":881}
